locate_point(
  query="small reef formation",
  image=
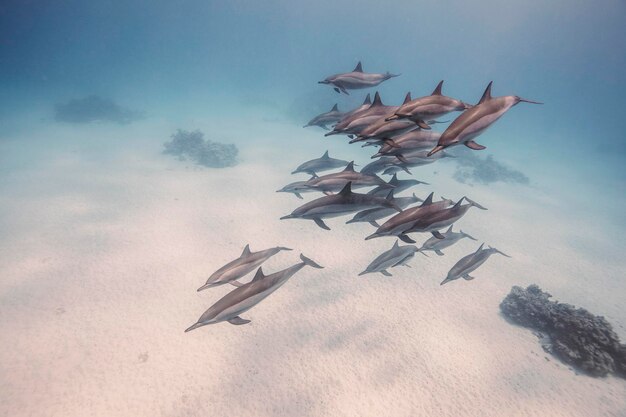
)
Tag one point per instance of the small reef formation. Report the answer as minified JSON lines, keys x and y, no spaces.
{"x":192,"y":146}
{"x":472,"y":168}
{"x":94,"y":109}
{"x":574,"y":335}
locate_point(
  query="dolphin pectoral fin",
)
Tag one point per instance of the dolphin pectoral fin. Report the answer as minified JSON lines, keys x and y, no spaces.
{"x":324,"y":127}
{"x":402,"y":158}
{"x":374,"y":223}
{"x":468,"y":277}
{"x":236,"y":283}
{"x":406,"y":239}
{"x":343,"y":90}
{"x":438,"y":252}
{"x":475,"y":146}
{"x":298,"y":195}
{"x":238,"y":321}
{"x":385,"y":273}
{"x":438,"y":235}
{"x":407,"y":265}
{"x":327,"y":193}
{"x":351,"y":136}
{"x":321,"y":223}
{"x":422,"y":124}
{"x":337,"y":90}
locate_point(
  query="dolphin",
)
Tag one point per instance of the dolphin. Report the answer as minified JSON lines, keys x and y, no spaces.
{"x":356,"y":79}
{"x":242,"y":299}
{"x":323,"y":163}
{"x":345,"y":202}
{"x":382,"y":164}
{"x":347,"y":124}
{"x":427,"y":108}
{"x":238,"y":268}
{"x":474,"y":121}
{"x":418,"y":157}
{"x":449,"y":239}
{"x":371,"y":215}
{"x":327,"y":118}
{"x":383,"y":128}
{"x":396,"y":256}
{"x":336,"y":181}
{"x":297,"y":188}
{"x":439,"y":219}
{"x":469,"y":263}
{"x":401,"y":222}
{"x":397,"y":185}
{"x":415,"y":139}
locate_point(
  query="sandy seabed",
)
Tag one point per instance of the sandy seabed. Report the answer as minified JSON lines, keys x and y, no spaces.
{"x":104,"y":241}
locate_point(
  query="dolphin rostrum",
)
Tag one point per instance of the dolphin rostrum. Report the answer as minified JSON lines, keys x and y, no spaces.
{"x":345,"y":202}
{"x":328,"y":118}
{"x":323,"y":163}
{"x":428,"y":108}
{"x":242,"y":299}
{"x":397,"y":185}
{"x":238,"y":268}
{"x":469,"y":263}
{"x":334,"y":182}
{"x":449,"y":238}
{"x":474,"y":121}
{"x":355,"y":79}
{"x":372,"y":215}
{"x":396,"y":256}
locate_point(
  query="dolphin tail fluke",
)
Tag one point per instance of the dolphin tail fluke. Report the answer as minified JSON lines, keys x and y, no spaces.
{"x":466,"y":235}
{"x":523,"y":100}
{"x":475,"y":204}
{"x":310,"y":262}
{"x":195,"y":326}
{"x":500,"y":252}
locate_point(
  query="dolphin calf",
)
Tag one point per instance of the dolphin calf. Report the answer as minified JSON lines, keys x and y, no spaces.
{"x":474,"y":121}
{"x":401,"y":222}
{"x":469,"y":263}
{"x":427,"y":108}
{"x":238,"y":268}
{"x":297,"y":188}
{"x":396,"y":256}
{"x":323,"y":163}
{"x":345,"y":202}
{"x":372,"y":215}
{"x":242,"y":299}
{"x":355,"y":79}
{"x":397,"y":185}
{"x":415,"y":139}
{"x":449,"y":238}
{"x":334,"y":182}
{"x":328,"y":118}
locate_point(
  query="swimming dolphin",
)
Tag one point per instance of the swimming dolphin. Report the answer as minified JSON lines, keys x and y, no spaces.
{"x":297,"y":188}
{"x":334,"y":182}
{"x":355,"y":79}
{"x":238,"y":268}
{"x":474,"y":121}
{"x":418,"y":157}
{"x":327,"y":118}
{"x":396,"y":256}
{"x":382,"y":164}
{"x":427,"y":108}
{"x":242,"y":299}
{"x":345,"y":202}
{"x":349,"y":124}
{"x":439,"y":219}
{"x":372,"y":215}
{"x":401,"y":222}
{"x":416,"y":139}
{"x":449,"y":239}
{"x":366,"y":104}
{"x":397,"y":185}
{"x":469,"y":263}
{"x":323,"y":163}
{"x":383,"y":128}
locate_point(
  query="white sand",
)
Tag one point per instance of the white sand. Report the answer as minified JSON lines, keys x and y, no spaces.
{"x":105,"y":240}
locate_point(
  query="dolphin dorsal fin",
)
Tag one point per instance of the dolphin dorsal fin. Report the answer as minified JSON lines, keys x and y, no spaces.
{"x":449,"y":229}
{"x":367,"y":100}
{"x":407,"y":98}
{"x":358,"y":68}
{"x":429,"y":200}
{"x":334,"y":108}
{"x":437,"y":91}
{"x":346,"y":190}
{"x":389,"y":196}
{"x":313,"y":176}
{"x":480,"y":247}
{"x":458,"y":203}
{"x":487,"y":94}
{"x":395,"y":245}
{"x":394,"y":179}
{"x":246,"y":251}
{"x":377,"y":101}
{"x":325,"y":156}
{"x":350,"y":166}
{"x":259,"y":275}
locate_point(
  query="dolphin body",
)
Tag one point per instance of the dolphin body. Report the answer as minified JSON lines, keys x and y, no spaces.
{"x":297,"y":188}
{"x":427,"y":108}
{"x":418,"y":157}
{"x":345,"y":202}
{"x":397,"y":185}
{"x":449,"y":239}
{"x":396,"y":256}
{"x":336,"y":181}
{"x":474,"y":121}
{"x":384,"y":163}
{"x":469,"y":263}
{"x":439,"y":219}
{"x":328,"y":118}
{"x":371,"y":215}
{"x":323,"y":163}
{"x":399,"y":224}
{"x":238,"y":268}
{"x":242,"y":299}
{"x":415,"y":139}
{"x":356,"y":79}
{"x":352,"y":123}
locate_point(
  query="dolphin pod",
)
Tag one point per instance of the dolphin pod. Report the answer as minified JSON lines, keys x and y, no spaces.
{"x":355,"y":79}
